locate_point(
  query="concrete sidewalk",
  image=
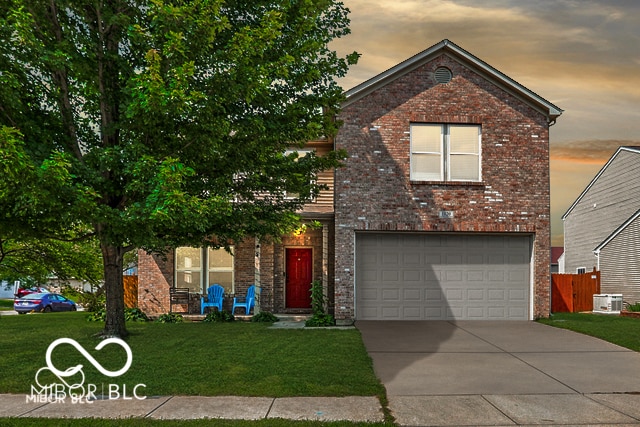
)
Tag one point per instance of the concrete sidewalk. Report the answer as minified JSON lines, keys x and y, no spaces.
{"x":352,"y":408}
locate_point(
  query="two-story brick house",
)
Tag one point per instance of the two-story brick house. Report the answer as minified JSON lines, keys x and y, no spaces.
{"x":441,"y":210}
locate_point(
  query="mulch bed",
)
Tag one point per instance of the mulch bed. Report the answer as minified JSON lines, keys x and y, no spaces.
{"x":634,"y":314}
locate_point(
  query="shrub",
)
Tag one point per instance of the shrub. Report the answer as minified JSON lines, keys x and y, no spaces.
{"x":219,"y":316}
{"x":130,"y":315}
{"x":634,"y":307}
{"x":135,"y":315}
{"x":318,"y":302}
{"x":97,"y":316}
{"x":170,"y":318}
{"x":320,"y":320}
{"x":265,"y":316}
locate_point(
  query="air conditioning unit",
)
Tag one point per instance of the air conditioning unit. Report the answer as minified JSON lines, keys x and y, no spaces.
{"x":607,"y":303}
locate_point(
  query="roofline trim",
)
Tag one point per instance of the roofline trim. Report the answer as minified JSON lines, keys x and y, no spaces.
{"x":363,"y":89}
{"x":593,"y":181}
{"x":615,"y":233}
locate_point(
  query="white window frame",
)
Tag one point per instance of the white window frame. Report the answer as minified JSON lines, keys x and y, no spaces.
{"x":445,"y":152}
{"x":581,"y":270}
{"x":204,"y":269}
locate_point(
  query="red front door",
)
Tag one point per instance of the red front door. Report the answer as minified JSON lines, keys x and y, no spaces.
{"x":299,"y":277}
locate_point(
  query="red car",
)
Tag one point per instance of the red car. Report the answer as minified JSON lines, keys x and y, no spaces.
{"x":35,"y":290}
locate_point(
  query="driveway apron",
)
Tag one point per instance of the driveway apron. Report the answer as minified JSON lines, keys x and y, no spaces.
{"x":501,"y":373}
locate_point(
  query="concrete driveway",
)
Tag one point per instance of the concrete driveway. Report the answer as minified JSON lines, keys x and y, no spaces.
{"x":501,"y":373}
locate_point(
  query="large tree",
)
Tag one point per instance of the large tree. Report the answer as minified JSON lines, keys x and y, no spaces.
{"x":168,"y":120}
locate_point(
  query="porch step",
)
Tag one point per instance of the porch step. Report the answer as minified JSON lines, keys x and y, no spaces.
{"x":293,"y":317}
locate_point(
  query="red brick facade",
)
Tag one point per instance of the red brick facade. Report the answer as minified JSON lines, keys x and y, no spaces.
{"x":373,"y":191}
{"x":156,"y":273}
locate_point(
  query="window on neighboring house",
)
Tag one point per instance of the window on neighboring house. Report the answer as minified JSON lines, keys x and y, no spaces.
{"x":581,"y":270}
{"x":445,"y":152}
{"x":218,"y":268}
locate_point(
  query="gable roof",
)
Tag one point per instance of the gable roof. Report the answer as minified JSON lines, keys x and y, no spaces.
{"x":455,"y":52}
{"x":630,"y":149}
{"x":617,"y":231}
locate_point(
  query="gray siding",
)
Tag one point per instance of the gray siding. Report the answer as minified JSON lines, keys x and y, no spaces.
{"x":620,"y":264}
{"x":611,"y":200}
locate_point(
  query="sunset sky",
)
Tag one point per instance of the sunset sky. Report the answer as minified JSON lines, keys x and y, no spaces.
{"x":581,"y":55}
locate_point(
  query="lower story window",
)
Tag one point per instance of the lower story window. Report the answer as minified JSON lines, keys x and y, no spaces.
{"x":199,"y":268}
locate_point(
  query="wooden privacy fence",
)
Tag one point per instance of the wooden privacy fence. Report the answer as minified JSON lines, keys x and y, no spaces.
{"x":572,"y":293}
{"x":130,"y":291}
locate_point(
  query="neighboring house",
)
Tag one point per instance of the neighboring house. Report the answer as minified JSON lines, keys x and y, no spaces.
{"x":556,"y":258}
{"x":441,"y":210}
{"x":602,"y":227}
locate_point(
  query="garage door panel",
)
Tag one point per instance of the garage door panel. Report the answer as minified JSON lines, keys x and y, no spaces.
{"x":476,"y":294}
{"x":428,"y":276}
{"x":411,"y":276}
{"x":434,"y":295}
{"x":391,"y":294}
{"x":412,"y":294}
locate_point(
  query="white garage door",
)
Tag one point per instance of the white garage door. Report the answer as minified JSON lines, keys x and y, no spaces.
{"x":442,"y":276}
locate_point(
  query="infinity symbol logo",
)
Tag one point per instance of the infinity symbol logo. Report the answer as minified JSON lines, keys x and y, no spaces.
{"x":78,"y":368}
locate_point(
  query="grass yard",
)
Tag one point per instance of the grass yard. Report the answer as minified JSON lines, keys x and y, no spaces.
{"x":6,"y":304}
{"x":623,"y":331}
{"x":209,"y":359}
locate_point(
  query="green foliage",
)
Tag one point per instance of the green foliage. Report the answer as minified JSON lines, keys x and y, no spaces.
{"x":319,"y":320}
{"x":264,"y":316}
{"x":219,"y":316}
{"x":318,"y":304}
{"x":122,"y":123}
{"x":93,"y":302}
{"x":170,"y":318}
{"x":130,"y":315}
{"x":634,"y":307}
{"x":135,"y":315}
{"x":97,"y":316}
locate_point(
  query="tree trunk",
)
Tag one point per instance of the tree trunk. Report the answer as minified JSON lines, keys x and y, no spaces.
{"x":114,"y":290}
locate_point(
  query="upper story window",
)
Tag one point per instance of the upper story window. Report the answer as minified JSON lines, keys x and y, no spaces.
{"x":445,"y":152}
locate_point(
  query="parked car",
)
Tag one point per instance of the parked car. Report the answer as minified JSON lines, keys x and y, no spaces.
{"x":44,"y":302}
{"x":34,"y":290}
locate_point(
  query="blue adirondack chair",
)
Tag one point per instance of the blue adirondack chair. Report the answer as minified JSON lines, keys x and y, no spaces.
{"x":247,"y":302}
{"x":214,"y":298}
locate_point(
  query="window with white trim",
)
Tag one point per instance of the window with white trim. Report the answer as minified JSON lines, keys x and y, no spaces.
{"x":199,"y":268}
{"x":445,"y":152}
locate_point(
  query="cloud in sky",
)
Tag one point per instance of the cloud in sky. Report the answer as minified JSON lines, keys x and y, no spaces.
{"x":582,"y":55}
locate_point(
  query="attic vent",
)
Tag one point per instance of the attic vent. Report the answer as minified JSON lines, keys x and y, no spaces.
{"x":443,"y":75}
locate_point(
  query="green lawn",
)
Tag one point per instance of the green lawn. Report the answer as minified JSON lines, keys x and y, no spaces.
{"x":623,"y":331}
{"x":6,"y":304}
{"x":209,"y":359}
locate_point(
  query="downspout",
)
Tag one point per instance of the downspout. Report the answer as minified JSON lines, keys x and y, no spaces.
{"x":597,"y":254}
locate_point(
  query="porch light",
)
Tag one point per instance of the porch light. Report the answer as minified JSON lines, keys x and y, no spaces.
{"x":300,"y":230}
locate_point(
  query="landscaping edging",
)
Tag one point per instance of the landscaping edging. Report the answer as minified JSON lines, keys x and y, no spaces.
{"x":634,"y":314}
